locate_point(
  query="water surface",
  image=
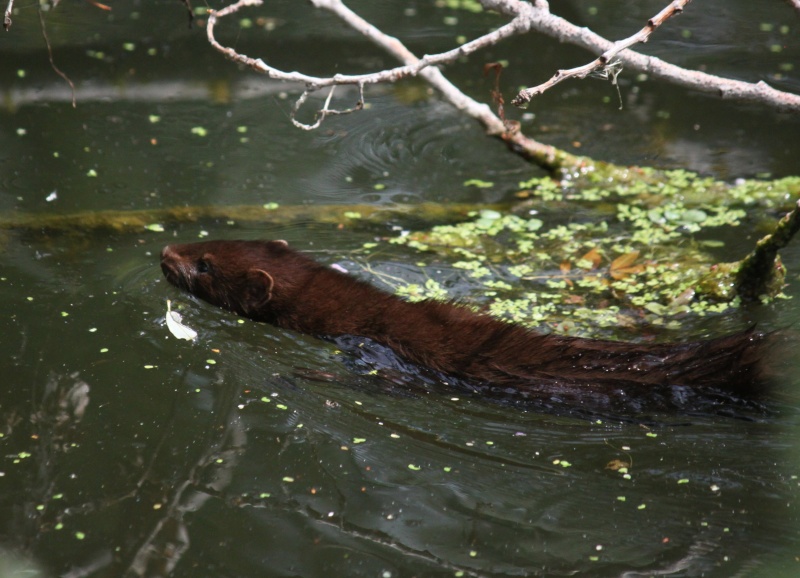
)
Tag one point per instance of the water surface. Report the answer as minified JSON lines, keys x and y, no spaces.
{"x":260,"y":452}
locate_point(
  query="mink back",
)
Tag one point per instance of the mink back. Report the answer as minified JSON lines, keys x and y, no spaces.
{"x":268,"y":281}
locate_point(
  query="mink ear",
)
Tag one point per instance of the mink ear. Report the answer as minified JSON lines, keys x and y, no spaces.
{"x":259,"y":288}
{"x":278,"y":243}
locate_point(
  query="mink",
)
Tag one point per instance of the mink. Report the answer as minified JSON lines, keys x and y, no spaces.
{"x":270,"y":282}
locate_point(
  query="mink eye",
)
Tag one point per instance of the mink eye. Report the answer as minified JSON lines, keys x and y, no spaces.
{"x":202,"y":266}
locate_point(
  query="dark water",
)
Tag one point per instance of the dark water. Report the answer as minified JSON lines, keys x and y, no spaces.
{"x":258,"y":452}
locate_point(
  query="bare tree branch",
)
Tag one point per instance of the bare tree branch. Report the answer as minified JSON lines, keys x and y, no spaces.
{"x":564,"y":31}
{"x":605,"y":59}
{"x":413,"y":65}
{"x":544,"y":155}
{"x":525,"y":17}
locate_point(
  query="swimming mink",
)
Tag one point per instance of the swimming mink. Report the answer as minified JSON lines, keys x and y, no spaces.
{"x":268,"y":281}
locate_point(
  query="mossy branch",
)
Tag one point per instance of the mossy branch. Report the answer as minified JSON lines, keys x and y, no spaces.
{"x":761,"y":272}
{"x":92,"y":222}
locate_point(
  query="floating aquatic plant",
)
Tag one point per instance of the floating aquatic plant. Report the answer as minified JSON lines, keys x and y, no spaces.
{"x":639,"y":255}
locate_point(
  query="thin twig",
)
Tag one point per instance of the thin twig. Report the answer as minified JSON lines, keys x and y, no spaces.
{"x":7,"y":15}
{"x":325,"y":110}
{"x":606,"y":58}
{"x":190,"y":12}
{"x":50,"y":56}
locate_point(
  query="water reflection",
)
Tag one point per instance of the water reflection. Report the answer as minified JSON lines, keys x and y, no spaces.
{"x":259,"y":451}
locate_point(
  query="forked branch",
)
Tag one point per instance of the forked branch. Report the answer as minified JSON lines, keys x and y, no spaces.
{"x":540,"y":19}
{"x":413,"y":66}
{"x":525,"y":17}
{"x":606,"y":60}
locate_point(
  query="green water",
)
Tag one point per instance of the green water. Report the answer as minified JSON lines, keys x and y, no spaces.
{"x":259,"y":452}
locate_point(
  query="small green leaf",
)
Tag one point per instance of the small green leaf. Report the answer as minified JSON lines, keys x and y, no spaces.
{"x":478,"y":183}
{"x":693,"y":216}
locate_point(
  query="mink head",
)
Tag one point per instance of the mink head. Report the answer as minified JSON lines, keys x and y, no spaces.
{"x":236,"y":275}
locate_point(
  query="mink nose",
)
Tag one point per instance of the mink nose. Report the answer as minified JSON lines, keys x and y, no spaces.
{"x":168,"y":259}
{"x":167,"y":253}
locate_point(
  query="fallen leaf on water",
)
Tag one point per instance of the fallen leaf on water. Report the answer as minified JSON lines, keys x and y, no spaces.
{"x":617,"y":465}
{"x":175,"y":326}
{"x":623,"y":265}
{"x":593,"y":257}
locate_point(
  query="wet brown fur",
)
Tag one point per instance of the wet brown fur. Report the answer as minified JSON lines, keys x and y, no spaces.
{"x":268,"y":281}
